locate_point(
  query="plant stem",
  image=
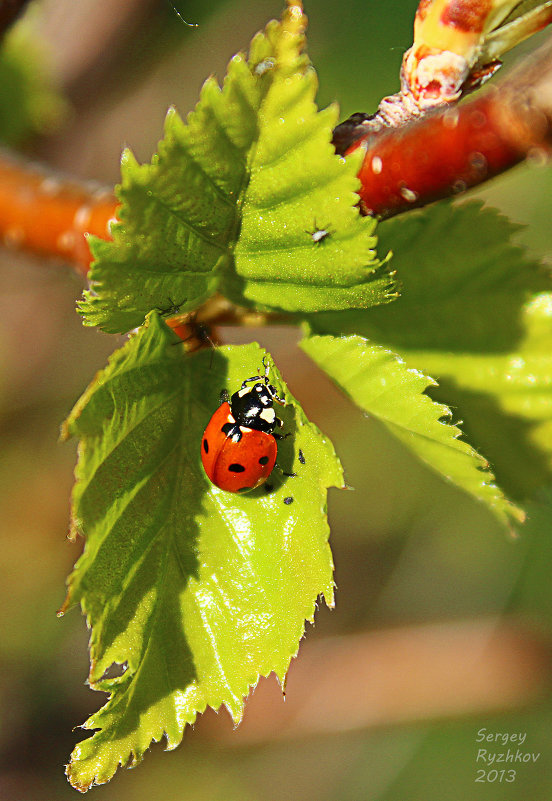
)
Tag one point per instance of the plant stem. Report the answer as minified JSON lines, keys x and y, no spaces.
{"x":457,"y":147}
{"x":49,"y":215}
{"x":406,"y":166}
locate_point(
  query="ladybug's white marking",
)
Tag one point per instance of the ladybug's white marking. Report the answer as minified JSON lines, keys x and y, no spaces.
{"x":268,"y":415}
{"x":244,"y":391}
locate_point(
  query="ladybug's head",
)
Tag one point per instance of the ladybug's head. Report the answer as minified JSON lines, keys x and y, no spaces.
{"x":264,"y":393}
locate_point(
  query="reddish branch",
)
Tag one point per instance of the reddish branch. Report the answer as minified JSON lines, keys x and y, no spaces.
{"x":409,"y":165}
{"x":452,"y":149}
{"x":43,"y":213}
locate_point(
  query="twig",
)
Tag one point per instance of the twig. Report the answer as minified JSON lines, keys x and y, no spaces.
{"x":409,"y":165}
{"x":50,"y":215}
{"x":458,"y":147}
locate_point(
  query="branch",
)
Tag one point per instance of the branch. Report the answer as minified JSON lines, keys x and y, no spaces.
{"x":49,"y":215}
{"x":406,"y":164}
{"x":454,"y":148}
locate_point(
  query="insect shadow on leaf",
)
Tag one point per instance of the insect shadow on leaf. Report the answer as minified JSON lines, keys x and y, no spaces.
{"x":172,"y":309}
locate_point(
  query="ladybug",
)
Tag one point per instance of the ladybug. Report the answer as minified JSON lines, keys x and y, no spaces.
{"x":238,"y":448}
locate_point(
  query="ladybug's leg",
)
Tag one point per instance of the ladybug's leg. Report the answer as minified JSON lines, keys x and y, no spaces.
{"x":224,"y":396}
{"x":275,"y":434}
{"x":264,"y":378}
{"x":283,"y":472}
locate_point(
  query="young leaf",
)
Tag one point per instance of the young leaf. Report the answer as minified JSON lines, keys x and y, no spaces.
{"x":463,"y":281}
{"x":195,"y":591}
{"x":379,"y":382}
{"x":235,"y":201}
{"x":303,"y":246}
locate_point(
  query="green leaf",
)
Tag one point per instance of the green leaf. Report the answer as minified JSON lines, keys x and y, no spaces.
{"x":463,"y":282}
{"x":196,"y":591}
{"x":232,"y":198}
{"x":474,"y":313}
{"x":379,"y":382}
{"x":298,"y":188}
{"x":506,"y":400}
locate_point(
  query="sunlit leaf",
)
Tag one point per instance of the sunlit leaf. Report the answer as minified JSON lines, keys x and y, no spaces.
{"x":475,"y":313}
{"x":235,"y":199}
{"x":379,"y":382}
{"x":196,"y":591}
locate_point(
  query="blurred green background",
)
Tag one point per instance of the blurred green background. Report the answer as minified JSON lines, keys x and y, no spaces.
{"x":443,"y":625}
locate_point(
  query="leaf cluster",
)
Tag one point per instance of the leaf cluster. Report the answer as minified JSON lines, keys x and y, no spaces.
{"x":194,"y":592}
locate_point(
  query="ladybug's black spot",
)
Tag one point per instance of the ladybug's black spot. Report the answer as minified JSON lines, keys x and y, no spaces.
{"x":236,"y":468}
{"x":263,"y":460}
{"x":288,"y":500}
{"x":205,"y":446}
{"x":301,"y":457}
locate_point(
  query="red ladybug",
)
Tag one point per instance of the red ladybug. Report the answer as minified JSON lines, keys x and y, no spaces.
{"x":238,"y":448}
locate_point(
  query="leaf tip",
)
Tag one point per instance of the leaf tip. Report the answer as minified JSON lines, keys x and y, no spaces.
{"x":64,"y":431}
{"x":128,"y":159}
{"x":520,"y":516}
{"x":75,"y":783}
{"x":66,"y":605}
